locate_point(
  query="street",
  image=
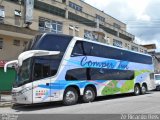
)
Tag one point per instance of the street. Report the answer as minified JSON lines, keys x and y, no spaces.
{"x":116,"y":104}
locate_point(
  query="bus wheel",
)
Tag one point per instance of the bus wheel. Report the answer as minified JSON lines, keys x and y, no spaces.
{"x":70,"y":96}
{"x":137,"y":90}
{"x":158,"y":88}
{"x":89,"y":95}
{"x":143,"y":89}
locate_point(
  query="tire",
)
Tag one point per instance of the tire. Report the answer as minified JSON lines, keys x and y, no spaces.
{"x":137,"y":90}
{"x":88,"y":95}
{"x":143,"y":89}
{"x":158,"y":88}
{"x":70,"y":96}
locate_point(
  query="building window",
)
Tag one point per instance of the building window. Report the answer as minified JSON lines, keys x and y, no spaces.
{"x":71,"y":29}
{"x":116,"y":25}
{"x":75,"y":6}
{"x":25,"y":43}
{"x":145,"y":51}
{"x":117,"y":43}
{"x":107,"y":40}
{"x":47,"y":25}
{"x":141,"y":50}
{"x":18,"y":15}
{"x":88,"y":35}
{"x":16,"y":42}
{"x":15,"y":1}
{"x":1,"y":43}
{"x":63,"y":1}
{"x":76,"y":31}
{"x":127,"y":46}
{"x":102,"y":19}
{"x":2,"y":14}
{"x":134,"y":48}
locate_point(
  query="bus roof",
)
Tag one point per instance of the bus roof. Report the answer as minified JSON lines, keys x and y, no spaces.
{"x":96,"y":42}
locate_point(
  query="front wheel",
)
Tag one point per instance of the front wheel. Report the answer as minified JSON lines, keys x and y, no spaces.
{"x":70,"y":96}
{"x":137,"y":90}
{"x":89,"y":95}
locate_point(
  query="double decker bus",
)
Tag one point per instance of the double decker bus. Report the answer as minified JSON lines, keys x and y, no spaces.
{"x":64,"y":68}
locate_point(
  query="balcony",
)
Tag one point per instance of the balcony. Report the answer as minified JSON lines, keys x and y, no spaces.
{"x":10,"y":30}
{"x":89,"y":20}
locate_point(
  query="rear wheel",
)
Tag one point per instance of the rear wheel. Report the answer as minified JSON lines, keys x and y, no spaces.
{"x":89,"y":95}
{"x":158,"y":88}
{"x":143,"y":89}
{"x":70,"y":96}
{"x":137,"y":90}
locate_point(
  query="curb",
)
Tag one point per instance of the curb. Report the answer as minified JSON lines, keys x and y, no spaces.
{"x":5,"y":104}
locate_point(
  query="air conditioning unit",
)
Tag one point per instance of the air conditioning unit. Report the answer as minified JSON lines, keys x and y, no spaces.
{"x":2,"y":13}
{"x":48,"y":25}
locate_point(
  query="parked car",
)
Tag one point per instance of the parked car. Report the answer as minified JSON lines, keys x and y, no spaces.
{"x":157,"y":81}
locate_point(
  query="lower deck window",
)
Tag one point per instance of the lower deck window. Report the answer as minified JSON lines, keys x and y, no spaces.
{"x":99,"y":74}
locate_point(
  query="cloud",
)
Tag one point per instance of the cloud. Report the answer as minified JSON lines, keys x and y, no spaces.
{"x":144,"y":18}
{"x":141,"y":16}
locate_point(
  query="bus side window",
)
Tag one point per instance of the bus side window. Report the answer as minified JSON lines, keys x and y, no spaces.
{"x":76,"y":74}
{"x":87,"y":48}
{"x":41,"y":68}
{"x":78,"y":49}
{"x":46,"y":70}
{"x":37,"y":71}
{"x":96,"y":50}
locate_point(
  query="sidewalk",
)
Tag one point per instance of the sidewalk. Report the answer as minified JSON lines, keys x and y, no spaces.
{"x":5,"y":100}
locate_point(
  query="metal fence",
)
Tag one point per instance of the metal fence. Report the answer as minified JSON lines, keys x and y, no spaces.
{"x":7,"y":79}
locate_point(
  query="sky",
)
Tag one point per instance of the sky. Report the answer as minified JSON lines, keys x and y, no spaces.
{"x":141,"y":16}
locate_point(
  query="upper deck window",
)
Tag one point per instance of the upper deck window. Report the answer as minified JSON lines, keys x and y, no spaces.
{"x":83,"y":48}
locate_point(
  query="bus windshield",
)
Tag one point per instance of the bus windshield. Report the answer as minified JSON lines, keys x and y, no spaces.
{"x":24,"y":71}
{"x":52,"y":42}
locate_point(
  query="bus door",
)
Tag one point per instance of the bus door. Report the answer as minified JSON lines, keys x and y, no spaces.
{"x":41,"y":80}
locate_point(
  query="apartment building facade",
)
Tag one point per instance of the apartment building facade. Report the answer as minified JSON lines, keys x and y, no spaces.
{"x":71,"y":17}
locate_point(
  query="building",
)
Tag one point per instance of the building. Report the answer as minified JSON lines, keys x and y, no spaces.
{"x":151,"y":48}
{"x":20,"y":22}
{"x":157,"y":62}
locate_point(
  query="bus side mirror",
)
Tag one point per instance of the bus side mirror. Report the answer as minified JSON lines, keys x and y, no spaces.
{"x":10,"y":63}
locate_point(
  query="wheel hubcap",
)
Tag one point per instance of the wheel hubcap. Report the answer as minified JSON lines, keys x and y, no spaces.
{"x":137,"y":90}
{"x":143,"y":89}
{"x":89,"y":94}
{"x":70,"y":96}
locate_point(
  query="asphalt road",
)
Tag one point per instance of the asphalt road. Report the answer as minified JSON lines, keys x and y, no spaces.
{"x":116,"y":104}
